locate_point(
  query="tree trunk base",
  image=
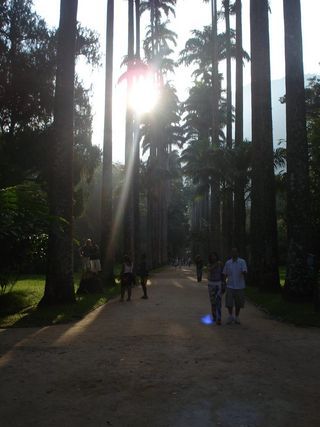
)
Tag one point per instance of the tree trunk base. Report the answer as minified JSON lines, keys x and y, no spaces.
{"x":90,"y":284}
{"x":299,"y":284}
{"x":53,"y":299}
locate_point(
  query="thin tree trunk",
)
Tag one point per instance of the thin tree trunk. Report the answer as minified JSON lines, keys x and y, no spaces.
{"x":239,"y":196}
{"x":264,"y":250}
{"x":215,"y":185}
{"x":215,"y":220}
{"x":107,"y":247}
{"x":227,"y":217}
{"x":298,"y":281}
{"x":136,"y":172}
{"x":129,"y":152}
{"x":59,"y":279}
{"x":13,"y":33}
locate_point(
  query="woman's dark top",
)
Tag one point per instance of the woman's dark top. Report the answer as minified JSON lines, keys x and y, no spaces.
{"x":199,"y":264}
{"x":215,"y":272}
{"x":143,"y":272}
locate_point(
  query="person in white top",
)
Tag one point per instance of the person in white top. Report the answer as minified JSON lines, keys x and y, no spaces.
{"x":235,"y":272}
{"x":127,"y":277}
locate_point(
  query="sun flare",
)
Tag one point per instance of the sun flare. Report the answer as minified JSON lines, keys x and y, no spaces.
{"x":144,"y":95}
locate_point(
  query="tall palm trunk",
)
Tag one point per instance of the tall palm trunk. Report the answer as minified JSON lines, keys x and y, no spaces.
{"x":136,"y":172}
{"x":227,"y":215}
{"x":14,"y":67}
{"x":239,"y":196}
{"x":298,"y":283}
{"x":151,"y":197}
{"x":59,"y":279}
{"x":215,"y":181}
{"x":129,"y":152}
{"x":107,"y":249}
{"x":264,"y":251}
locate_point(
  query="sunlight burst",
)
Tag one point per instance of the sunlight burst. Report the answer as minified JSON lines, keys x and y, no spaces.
{"x":144,"y":95}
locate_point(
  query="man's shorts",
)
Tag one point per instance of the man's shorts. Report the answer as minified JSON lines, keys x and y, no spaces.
{"x":235,"y":298}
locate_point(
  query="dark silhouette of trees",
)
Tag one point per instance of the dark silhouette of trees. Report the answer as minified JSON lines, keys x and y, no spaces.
{"x":264,"y":250}
{"x":59,"y":279}
{"x":107,"y":243}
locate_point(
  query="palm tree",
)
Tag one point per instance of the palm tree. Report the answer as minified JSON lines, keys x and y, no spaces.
{"x":227,"y":206}
{"x":59,"y":279}
{"x":297,"y":282}
{"x":157,"y":51}
{"x":136,"y":167}
{"x":239,"y":194}
{"x":106,"y":196}
{"x":264,"y":251}
{"x":129,"y":200}
{"x":215,"y":223}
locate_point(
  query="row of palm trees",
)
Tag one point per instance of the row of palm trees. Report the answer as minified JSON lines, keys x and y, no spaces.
{"x":210,"y":150}
{"x":159,"y":137}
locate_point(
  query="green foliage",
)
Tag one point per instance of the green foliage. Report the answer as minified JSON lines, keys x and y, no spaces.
{"x":198,"y":52}
{"x":313,"y":124}
{"x":19,"y":308}
{"x":178,"y":218}
{"x":23,"y":221}
{"x":300,"y":314}
{"x":158,"y":7}
{"x":27,"y":79}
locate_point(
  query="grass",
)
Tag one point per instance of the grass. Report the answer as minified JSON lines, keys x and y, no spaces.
{"x":300,"y":314}
{"x":18,"y":308}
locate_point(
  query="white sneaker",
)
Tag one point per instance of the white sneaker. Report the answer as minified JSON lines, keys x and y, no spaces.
{"x":237,"y":321}
{"x":230,"y":320}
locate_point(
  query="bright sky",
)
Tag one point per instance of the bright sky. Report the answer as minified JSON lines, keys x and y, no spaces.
{"x":190,"y":14}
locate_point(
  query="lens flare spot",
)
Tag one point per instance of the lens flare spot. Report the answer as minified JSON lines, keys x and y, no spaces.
{"x":207,"y":319}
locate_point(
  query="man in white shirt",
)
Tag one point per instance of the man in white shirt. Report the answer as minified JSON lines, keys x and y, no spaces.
{"x":235,"y":271}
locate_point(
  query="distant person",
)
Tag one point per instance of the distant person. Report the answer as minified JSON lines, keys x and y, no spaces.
{"x":95,"y":264}
{"x":235,"y":272}
{"x":127,"y":277}
{"x":143,"y":273}
{"x":199,"y":268}
{"x":189,"y":261}
{"x":215,"y":286}
{"x":85,"y":254}
{"x":176,"y":262}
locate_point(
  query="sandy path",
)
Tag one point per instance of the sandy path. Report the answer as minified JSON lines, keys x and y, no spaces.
{"x":153,"y":363}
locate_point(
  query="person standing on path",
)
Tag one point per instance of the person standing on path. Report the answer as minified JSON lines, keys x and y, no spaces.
{"x":126,"y":277}
{"x":199,"y":268}
{"x":235,"y":272}
{"x":85,"y":254}
{"x":215,"y":286}
{"x":95,"y":265}
{"x":143,"y":273}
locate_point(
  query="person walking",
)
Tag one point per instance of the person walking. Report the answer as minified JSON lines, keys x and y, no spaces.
{"x":143,"y":273}
{"x":215,"y":286}
{"x":235,"y":272}
{"x":85,"y":254}
{"x":95,"y":265}
{"x":126,"y":277}
{"x":199,"y":268}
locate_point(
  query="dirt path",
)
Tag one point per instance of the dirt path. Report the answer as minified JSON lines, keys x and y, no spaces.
{"x":153,"y":363}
